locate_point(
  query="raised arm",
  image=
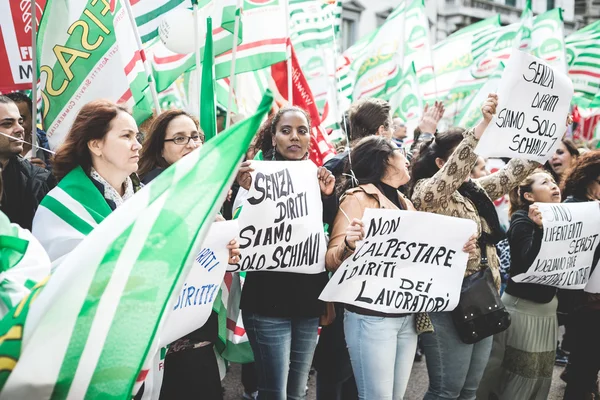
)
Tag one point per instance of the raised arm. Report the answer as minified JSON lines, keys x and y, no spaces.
{"x":501,"y":182}
{"x":430,"y":194}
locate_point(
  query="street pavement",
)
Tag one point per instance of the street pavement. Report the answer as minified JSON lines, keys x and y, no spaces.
{"x":417,"y":386}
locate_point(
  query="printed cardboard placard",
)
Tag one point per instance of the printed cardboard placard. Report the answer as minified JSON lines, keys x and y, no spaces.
{"x":281,"y":222}
{"x":403,"y":265}
{"x":570,"y":239}
{"x":533,"y":104}
{"x":194,"y":302}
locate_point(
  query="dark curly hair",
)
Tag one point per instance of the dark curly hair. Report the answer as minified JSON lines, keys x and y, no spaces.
{"x":264,"y":137}
{"x":578,"y":178}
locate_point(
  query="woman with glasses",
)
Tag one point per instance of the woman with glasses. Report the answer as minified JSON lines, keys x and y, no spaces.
{"x":173,"y":135}
{"x":191,"y":369}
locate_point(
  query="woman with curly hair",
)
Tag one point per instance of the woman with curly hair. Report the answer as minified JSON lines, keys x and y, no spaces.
{"x":582,"y":183}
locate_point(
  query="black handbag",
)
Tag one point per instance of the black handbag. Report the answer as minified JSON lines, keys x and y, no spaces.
{"x":480,"y":312}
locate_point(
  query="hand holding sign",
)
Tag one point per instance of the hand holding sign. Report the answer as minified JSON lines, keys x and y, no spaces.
{"x":488,"y":109}
{"x":234,"y":251}
{"x":244,"y":177}
{"x":535,"y":215}
{"x":534,"y":101}
{"x":355,"y":233}
{"x":326,"y":181}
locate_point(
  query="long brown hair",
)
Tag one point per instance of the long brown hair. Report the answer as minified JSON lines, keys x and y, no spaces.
{"x":151,"y":153}
{"x":517,"y":195}
{"x":578,"y":178}
{"x":92,"y":123}
{"x":572,"y":149}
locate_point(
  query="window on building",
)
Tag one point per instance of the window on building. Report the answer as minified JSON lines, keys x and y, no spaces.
{"x":512,"y":3}
{"x":549,"y":4}
{"x":383,"y":15}
{"x":351,"y":11}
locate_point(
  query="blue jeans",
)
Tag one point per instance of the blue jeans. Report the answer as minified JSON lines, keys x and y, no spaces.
{"x":283,"y":351}
{"x":382,"y":351}
{"x":455,"y":368}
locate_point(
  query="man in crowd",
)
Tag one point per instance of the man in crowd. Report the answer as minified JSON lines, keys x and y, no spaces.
{"x":398,"y":131}
{"x":24,"y":184}
{"x":40,"y":157}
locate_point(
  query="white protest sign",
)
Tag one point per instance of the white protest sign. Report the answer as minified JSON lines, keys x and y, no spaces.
{"x":570,"y":238}
{"x":194,"y":302}
{"x":533,"y":104}
{"x":281,"y":222}
{"x":403,"y":265}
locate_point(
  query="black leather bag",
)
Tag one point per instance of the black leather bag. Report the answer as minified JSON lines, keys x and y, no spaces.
{"x":480,"y":312}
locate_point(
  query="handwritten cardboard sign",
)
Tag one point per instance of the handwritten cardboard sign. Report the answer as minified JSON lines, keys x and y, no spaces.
{"x":281,"y":222}
{"x":403,"y":265}
{"x":533,"y":104}
{"x":571,"y":236}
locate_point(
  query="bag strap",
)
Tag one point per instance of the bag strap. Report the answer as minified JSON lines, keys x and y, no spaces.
{"x":483,"y":249}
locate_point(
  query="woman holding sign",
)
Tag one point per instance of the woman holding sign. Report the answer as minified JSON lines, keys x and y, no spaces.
{"x":381,"y":345}
{"x":173,"y":135}
{"x":582,"y":183}
{"x":441,"y":184}
{"x":522,"y":358}
{"x":281,"y":310}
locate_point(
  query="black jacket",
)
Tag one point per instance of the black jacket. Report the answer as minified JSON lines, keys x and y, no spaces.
{"x":525,"y":240}
{"x":24,"y":187}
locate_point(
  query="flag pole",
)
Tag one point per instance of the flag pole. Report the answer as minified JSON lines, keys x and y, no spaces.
{"x":232,"y":79}
{"x":147,"y":69}
{"x":289,"y":52}
{"x":34,"y":142}
{"x":197,"y":46}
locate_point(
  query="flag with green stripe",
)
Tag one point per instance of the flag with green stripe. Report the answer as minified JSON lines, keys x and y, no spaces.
{"x":583,"y":57}
{"x":78,"y":53}
{"x":89,"y":331}
{"x":148,"y":14}
{"x":23,"y":263}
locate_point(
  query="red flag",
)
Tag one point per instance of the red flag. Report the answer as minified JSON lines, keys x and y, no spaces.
{"x":320,"y":148}
{"x":15,"y":44}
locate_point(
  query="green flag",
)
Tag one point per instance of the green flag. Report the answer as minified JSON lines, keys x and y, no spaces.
{"x":208,"y":111}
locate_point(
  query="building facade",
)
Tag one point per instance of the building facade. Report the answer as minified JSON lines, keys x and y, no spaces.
{"x":360,"y":17}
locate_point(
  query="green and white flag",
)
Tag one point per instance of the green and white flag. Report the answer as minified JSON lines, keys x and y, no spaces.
{"x":208,"y":106}
{"x":471,"y":113}
{"x":78,"y":53}
{"x":148,"y":14}
{"x":406,"y":102}
{"x":548,"y":39}
{"x":23,"y":264}
{"x":314,"y":23}
{"x":583,"y":57}
{"x":523,"y":41}
{"x":456,"y":54}
{"x":88,"y":333}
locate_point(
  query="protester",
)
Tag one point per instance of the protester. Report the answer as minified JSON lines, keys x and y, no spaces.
{"x":398,"y":131}
{"x":441,"y":184}
{"x":427,"y":127}
{"x":563,"y":158}
{"x":522,"y":358}
{"x":40,"y":157}
{"x":366,"y":117}
{"x":25,"y":184}
{"x":281,"y":310}
{"x":479,"y":169}
{"x":381,"y":345}
{"x":173,"y":135}
{"x":95,"y":167}
{"x":582,"y":183}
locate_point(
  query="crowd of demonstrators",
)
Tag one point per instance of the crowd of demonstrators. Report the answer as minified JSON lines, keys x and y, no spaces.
{"x":361,"y":353}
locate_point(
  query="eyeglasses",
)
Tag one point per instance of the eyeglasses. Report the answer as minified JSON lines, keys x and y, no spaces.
{"x":183,"y":140}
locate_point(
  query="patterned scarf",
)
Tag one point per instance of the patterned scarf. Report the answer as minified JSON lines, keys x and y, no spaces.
{"x":111,"y":193}
{"x":486,"y":210}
